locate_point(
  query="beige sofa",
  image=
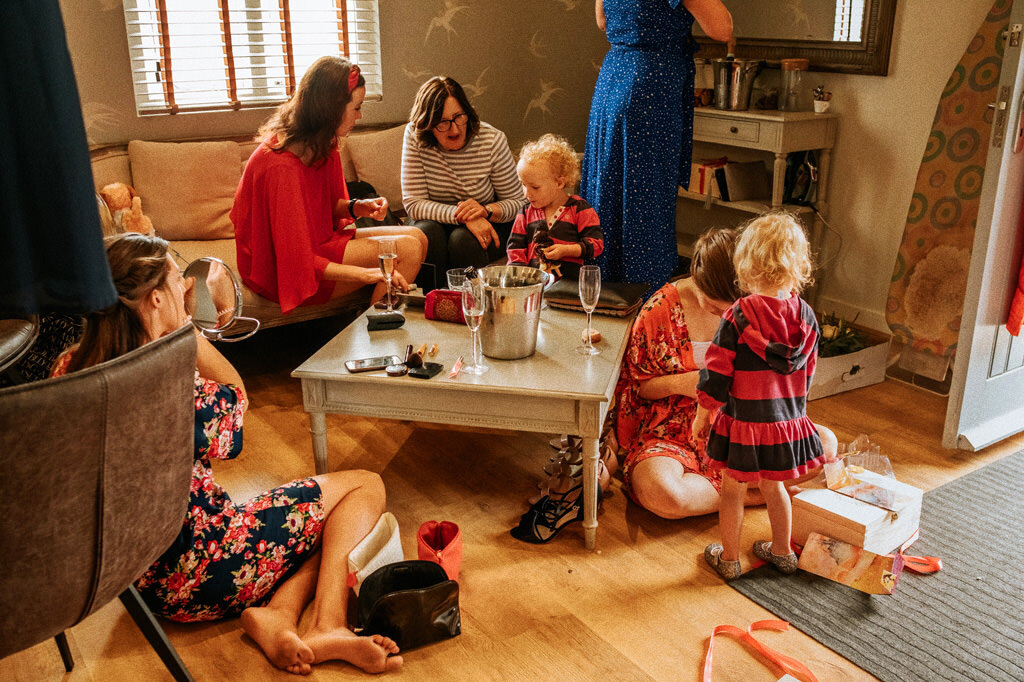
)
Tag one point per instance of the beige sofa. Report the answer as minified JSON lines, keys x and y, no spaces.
{"x":187,"y":189}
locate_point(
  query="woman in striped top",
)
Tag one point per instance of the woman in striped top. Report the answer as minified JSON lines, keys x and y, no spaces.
{"x":459,"y":182}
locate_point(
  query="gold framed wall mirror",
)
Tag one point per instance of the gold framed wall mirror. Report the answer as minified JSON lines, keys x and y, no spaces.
{"x":845,"y":36}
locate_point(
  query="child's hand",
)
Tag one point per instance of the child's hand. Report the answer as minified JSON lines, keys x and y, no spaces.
{"x":563,"y":251}
{"x":701,"y":424}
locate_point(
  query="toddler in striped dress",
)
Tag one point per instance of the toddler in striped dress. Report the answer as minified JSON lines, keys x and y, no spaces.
{"x":759,"y":368}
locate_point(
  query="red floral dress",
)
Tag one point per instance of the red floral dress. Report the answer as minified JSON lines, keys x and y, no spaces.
{"x":228,"y":557}
{"x":659,"y":344}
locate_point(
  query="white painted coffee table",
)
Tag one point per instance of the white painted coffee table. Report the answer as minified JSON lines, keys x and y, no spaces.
{"x":556,"y":390}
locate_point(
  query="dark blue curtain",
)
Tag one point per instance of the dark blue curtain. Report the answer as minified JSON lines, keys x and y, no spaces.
{"x":51,"y":245}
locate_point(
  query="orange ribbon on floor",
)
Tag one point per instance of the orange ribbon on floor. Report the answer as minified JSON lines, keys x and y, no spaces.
{"x":919,"y":564}
{"x":787,"y":664}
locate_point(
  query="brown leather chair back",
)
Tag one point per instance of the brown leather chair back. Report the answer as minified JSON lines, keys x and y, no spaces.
{"x":95,"y":469}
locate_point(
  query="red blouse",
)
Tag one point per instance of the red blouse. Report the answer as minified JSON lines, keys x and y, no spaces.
{"x":285,"y":231}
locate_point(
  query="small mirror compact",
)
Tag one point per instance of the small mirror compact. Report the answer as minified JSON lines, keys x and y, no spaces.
{"x":215,"y":301}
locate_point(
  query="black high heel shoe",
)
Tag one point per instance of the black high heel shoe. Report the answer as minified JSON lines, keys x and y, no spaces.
{"x":549,"y":515}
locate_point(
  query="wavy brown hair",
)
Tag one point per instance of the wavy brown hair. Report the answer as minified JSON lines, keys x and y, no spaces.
{"x":312,"y":116}
{"x":428,"y":108}
{"x":138,"y":265}
{"x":712,"y":266}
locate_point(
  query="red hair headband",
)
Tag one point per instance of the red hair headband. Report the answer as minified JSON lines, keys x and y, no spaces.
{"x":353,"y":78}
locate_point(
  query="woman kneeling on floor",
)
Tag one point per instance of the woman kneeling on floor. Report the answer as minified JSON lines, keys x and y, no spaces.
{"x":264,"y":559}
{"x":664,"y":469}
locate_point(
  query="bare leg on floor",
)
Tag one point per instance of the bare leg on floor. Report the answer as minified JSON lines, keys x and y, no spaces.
{"x":357,"y":500}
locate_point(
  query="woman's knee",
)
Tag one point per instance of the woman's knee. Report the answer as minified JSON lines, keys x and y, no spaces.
{"x":337,"y":485}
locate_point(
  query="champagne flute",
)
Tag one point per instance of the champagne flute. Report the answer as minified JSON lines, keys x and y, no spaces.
{"x":473,"y":305}
{"x":387,"y":254}
{"x":590,"y":291}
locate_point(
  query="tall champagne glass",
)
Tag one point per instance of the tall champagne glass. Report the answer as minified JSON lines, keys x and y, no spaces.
{"x":590,"y":291}
{"x":387,"y":254}
{"x":473,"y":306}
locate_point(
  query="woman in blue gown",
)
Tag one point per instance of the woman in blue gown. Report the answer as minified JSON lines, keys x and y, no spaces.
{"x":640,"y":133}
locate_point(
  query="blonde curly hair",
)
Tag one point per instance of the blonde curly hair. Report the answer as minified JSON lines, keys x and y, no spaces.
{"x":555,"y":151}
{"x":773,"y":253}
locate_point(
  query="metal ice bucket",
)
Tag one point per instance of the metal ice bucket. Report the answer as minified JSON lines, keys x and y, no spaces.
{"x":512,"y":313}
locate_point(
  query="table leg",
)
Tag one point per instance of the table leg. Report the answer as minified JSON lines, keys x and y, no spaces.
{"x":318,"y":429}
{"x":591,"y":455}
{"x":778,"y":178}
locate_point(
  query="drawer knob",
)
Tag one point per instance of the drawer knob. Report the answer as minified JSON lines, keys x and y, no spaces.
{"x":734,"y":129}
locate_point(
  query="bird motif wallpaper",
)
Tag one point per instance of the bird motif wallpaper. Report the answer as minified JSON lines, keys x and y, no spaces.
{"x":528,"y":67}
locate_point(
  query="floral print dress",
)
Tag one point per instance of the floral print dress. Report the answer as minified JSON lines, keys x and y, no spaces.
{"x":228,"y":557}
{"x":659,"y":344}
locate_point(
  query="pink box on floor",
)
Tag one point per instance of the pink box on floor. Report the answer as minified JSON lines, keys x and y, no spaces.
{"x":850,"y":565}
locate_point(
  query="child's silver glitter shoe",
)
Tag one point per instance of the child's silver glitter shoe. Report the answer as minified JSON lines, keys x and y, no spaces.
{"x":787,"y":563}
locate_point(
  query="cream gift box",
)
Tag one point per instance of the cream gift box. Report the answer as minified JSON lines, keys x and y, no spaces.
{"x":878,"y":530}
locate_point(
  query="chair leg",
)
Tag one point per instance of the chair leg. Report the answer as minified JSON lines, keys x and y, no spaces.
{"x":155,"y":635}
{"x":65,"y":651}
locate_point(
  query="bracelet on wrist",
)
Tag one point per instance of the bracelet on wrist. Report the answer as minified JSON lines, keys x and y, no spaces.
{"x":351,"y":206}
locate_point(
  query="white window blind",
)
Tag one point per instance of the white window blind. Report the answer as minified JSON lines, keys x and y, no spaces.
{"x":208,"y":55}
{"x":849,"y":20}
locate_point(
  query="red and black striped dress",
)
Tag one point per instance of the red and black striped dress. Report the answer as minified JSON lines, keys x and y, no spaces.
{"x":759,"y":368}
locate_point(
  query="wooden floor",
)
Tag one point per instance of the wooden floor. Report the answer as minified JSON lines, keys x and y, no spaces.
{"x":640,"y":607}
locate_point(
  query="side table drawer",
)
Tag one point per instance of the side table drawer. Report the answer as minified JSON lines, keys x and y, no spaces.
{"x":725,"y":130}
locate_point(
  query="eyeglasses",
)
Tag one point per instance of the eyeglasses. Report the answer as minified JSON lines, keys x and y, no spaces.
{"x":446,"y":123}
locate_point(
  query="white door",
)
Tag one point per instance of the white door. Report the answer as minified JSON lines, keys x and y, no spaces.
{"x":986,"y":399}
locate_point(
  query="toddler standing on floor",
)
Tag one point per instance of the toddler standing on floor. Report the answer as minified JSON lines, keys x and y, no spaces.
{"x":759,"y":368}
{"x":555,"y":231}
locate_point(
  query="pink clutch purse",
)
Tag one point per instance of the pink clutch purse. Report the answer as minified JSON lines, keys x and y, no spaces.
{"x":444,"y":305}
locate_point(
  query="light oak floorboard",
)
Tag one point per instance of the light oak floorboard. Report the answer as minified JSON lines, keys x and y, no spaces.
{"x":639,"y":608}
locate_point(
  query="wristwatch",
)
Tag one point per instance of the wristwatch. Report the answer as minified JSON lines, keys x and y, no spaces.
{"x":490,"y":213}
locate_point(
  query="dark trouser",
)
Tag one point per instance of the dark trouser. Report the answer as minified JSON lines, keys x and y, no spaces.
{"x":454,"y":246}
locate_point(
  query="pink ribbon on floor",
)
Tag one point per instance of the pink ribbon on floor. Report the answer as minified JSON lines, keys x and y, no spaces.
{"x":787,"y":664}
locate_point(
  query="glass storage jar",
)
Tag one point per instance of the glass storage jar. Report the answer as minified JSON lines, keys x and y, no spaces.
{"x":790,"y":94}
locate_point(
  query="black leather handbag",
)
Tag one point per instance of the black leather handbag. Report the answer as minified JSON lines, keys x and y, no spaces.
{"x":617,"y":299}
{"x":412,"y":602}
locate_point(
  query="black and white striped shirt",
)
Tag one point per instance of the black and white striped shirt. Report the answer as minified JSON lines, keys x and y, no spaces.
{"x":434,"y":179}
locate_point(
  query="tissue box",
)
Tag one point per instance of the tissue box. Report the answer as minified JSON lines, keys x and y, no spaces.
{"x":878,"y":530}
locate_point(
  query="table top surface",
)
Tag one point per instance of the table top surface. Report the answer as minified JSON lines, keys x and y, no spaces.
{"x":555,"y":369}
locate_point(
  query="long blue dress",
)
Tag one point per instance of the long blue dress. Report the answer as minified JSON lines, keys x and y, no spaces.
{"x":640,"y":137}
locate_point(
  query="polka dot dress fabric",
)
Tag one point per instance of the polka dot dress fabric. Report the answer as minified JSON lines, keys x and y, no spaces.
{"x":640,"y":137}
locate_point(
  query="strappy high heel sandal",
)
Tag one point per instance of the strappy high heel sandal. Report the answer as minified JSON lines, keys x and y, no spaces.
{"x":549,"y":515}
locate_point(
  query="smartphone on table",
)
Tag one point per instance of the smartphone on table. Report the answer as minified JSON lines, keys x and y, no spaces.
{"x":372,"y":364}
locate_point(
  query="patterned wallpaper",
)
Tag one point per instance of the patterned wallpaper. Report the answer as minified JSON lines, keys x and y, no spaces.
{"x":529,"y":67}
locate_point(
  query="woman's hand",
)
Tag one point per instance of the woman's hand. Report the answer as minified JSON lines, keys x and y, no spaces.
{"x":563,"y":251}
{"x":375,"y":276}
{"x":484,"y":232}
{"x":656,"y":388}
{"x":469,"y":209}
{"x":376,"y":208}
{"x":221,"y":288}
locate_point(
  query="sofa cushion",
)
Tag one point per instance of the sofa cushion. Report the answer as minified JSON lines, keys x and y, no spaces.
{"x":377,"y":158}
{"x":187,"y":188}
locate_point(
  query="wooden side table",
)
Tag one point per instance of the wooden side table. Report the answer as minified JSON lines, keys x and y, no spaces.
{"x":777,"y":132}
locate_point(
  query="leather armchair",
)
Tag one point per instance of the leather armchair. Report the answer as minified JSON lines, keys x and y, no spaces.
{"x":96,"y":467}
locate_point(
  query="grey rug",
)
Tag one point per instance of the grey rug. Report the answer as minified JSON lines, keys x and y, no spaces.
{"x":965,"y":622}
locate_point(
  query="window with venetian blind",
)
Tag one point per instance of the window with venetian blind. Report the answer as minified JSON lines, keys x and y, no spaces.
{"x":211,"y":55}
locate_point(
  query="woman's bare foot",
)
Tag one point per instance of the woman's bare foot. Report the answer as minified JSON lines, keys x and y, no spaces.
{"x":373,"y":654}
{"x":275,"y":634}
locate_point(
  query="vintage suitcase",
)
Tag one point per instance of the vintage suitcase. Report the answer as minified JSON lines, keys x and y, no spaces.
{"x":878,"y":530}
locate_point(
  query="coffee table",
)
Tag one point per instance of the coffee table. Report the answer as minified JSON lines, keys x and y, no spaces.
{"x":555,"y":390}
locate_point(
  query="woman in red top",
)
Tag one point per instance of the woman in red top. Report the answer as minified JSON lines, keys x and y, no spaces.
{"x":293,"y":218}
